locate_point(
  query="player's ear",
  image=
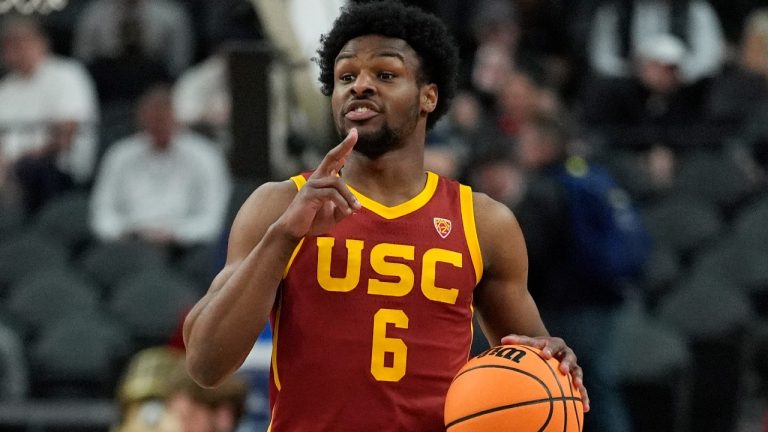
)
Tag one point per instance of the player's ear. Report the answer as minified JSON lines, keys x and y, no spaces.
{"x":428,"y":98}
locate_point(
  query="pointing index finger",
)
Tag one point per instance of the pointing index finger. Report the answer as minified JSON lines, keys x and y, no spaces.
{"x":337,"y":156}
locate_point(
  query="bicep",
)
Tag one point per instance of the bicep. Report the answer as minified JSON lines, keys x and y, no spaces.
{"x":262,"y":208}
{"x":502,"y":299}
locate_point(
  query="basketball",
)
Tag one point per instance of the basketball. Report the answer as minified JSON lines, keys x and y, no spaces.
{"x":512,"y":388}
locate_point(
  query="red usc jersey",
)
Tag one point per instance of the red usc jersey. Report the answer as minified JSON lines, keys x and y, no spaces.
{"x":374,"y":319}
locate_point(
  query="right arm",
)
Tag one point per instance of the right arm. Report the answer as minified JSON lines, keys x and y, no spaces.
{"x":222,"y":327}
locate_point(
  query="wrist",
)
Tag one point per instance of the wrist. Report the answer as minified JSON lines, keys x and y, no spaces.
{"x":282,"y":232}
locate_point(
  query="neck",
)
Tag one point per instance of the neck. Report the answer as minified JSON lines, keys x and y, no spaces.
{"x":392,"y":178}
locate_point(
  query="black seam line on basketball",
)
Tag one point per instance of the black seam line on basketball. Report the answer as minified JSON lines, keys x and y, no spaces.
{"x":505,"y":407}
{"x":560,"y":386}
{"x":526,"y":373}
{"x":574,"y":400}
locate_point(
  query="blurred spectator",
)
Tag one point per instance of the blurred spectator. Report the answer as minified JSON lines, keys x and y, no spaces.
{"x":453,"y":140}
{"x":164,"y":185}
{"x":622,"y":27}
{"x":519,"y":99}
{"x":143,"y":389}
{"x":743,"y":85}
{"x":156,"y":394}
{"x":47,"y":115}
{"x":201,"y":97}
{"x":496,"y":33}
{"x":500,"y":177}
{"x":159,"y":30}
{"x":653,"y":114}
{"x":129,"y":45}
{"x":199,"y":409}
{"x":582,"y":308}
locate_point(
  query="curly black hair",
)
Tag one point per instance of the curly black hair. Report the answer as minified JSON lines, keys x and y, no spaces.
{"x":423,"y":32}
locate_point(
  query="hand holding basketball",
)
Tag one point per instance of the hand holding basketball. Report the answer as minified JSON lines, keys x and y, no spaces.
{"x":513,"y":388}
{"x":554,"y":347}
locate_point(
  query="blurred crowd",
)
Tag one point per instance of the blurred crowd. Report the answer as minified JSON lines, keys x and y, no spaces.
{"x":116,"y":144}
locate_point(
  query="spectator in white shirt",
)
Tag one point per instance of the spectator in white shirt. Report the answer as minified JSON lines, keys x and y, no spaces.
{"x":621,"y":27}
{"x":48,"y":111}
{"x":163,"y":185}
{"x":160,"y":30}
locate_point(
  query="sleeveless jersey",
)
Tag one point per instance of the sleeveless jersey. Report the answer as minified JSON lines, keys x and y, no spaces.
{"x":374,"y":318}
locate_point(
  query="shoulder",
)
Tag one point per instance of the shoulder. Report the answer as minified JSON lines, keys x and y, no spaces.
{"x":126,"y":148}
{"x":263,"y":207}
{"x":65,"y":67}
{"x":490,"y":213}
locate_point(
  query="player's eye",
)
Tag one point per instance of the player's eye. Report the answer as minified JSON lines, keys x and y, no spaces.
{"x":346,"y":77}
{"x":386,"y":75}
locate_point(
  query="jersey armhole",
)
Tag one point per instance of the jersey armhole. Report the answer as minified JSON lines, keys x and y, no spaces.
{"x":470,"y":230}
{"x":299,"y":181}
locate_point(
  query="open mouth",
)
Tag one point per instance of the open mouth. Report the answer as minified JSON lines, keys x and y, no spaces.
{"x":361,"y":113}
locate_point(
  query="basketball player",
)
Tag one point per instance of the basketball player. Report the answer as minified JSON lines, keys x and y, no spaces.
{"x":369,"y":267}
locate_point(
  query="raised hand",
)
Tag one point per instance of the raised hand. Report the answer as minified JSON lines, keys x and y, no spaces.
{"x":325,"y":199}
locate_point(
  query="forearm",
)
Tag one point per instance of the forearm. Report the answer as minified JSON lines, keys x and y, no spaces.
{"x":221,"y":329}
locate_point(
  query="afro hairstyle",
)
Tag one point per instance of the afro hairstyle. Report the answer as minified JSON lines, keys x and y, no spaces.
{"x":423,"y":32}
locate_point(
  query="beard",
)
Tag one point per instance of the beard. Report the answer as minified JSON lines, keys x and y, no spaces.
{"x":376,"y":143}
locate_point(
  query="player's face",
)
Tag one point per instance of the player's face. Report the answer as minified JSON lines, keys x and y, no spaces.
{"x":376,"y":90}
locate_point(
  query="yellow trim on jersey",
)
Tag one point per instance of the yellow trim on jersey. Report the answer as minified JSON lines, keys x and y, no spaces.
{"x":405,"y":208}
{"x":293,"y":256}
{"x":299,"y":180}
{"x":275,"y":332}
{"x":471,"y":328}
{"x":470,"y":230}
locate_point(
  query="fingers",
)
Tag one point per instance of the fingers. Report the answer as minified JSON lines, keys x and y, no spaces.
{"x":335,"y":158}
{"x":554,"y":347}
{"x":334,"y":189}
{"x":540,"y":343}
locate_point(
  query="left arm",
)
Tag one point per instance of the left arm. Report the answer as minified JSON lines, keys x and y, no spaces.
{"x":507,"y":312}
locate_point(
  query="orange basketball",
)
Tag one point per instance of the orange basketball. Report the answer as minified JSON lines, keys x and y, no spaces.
{"x":512,"y":388}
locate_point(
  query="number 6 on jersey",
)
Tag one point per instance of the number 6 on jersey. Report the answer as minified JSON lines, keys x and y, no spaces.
{"x":383,"y":345}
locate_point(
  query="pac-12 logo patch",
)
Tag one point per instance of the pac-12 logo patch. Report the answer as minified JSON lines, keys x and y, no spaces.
{"x":443,"y":226}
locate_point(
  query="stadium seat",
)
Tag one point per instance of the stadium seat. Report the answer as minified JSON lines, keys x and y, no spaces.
{"x":25,"y":254}
{"x":741,"y":260}
{"x":199,"y":265}
{"x":714,"y":176}
{"x":79,"y":355}
{"x":749,"y":222}
{"x":65,"y":219}
{"x":49,"y":294}
{"x":151,"y":303}
{"x":662,"y":269}
{"x":714,"y":315}
{"x":14,"y":373}
{"x":653,"y":362}
{"x":107,"y":263}
{"x":684,"y":222}
{"x":11,"y":220}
